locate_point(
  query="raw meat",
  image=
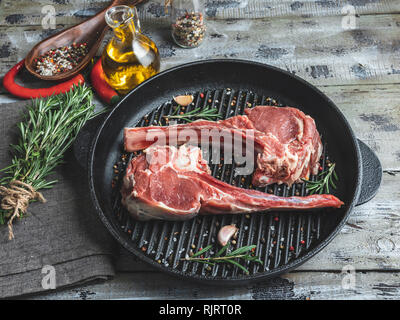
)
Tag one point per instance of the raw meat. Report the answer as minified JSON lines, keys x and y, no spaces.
{"x":272,"y":155}
{"x":175,"y":184}
{"x":286,"y":142}
{"x":140,"y":138}
{"x":298,"y":134}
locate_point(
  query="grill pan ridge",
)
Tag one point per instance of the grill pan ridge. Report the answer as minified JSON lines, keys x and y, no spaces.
{"x":284,"y":239}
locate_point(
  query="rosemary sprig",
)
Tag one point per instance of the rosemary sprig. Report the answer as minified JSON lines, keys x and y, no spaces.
{"x":48,"y":129}
{"x":240,"y":253}
{"x":199,"y":113}
{"x":327,"y":178}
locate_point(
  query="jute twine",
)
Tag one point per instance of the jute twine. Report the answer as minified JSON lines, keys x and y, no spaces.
{"x":16,"y":198}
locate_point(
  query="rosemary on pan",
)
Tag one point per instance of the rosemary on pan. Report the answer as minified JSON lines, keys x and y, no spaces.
{"x":230,"y":257}
{"x":199,"y":113}
{"x":48,"y":129}
{"x":325,"y":180}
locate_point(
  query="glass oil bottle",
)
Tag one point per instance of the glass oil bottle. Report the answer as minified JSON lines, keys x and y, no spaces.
{"x":130,"y":57}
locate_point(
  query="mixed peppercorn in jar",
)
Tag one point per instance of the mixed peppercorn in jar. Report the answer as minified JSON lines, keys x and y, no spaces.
{"x":187,"y":23}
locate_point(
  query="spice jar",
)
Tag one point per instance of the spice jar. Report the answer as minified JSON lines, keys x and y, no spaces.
{"x":187,"y":22}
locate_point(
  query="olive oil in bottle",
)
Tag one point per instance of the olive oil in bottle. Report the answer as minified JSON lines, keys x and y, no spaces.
{"x":130,"y":57}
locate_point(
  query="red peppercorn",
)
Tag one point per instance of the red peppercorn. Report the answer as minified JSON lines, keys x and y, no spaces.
{"x":202,"y":95}
{"x":291,"y":248}
{"x":302,"y":242}
{"x":276,"y":219}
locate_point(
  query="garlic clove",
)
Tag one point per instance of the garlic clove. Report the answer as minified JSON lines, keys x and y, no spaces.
{"x":184,"y":100}
{"x":226,"y":233}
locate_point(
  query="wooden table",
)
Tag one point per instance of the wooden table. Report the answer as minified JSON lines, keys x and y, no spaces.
{"x":359,"y":69}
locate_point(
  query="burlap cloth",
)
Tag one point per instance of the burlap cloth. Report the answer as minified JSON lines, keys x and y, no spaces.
{"x":62,"y":237}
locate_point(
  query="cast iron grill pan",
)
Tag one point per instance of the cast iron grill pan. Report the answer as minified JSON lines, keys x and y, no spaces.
{"x":284,"y":239}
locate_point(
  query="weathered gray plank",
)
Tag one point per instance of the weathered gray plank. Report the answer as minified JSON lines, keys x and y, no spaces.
{"x":373,"y":113}
{"x":275,"y":8}
{"x":73,"y":11}
{"x":316,"y":48}
{"x":295,"y":285}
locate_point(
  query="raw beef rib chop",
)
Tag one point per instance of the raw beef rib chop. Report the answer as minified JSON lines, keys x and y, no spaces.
{"x":286,"y":142}
{"x":175,"y":184}
{"x":272,"y":155}
{"x":299,"y":137}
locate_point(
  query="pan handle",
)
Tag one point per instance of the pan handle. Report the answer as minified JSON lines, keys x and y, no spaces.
{"x":371,"y":177}
{"x":84,"y":139}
